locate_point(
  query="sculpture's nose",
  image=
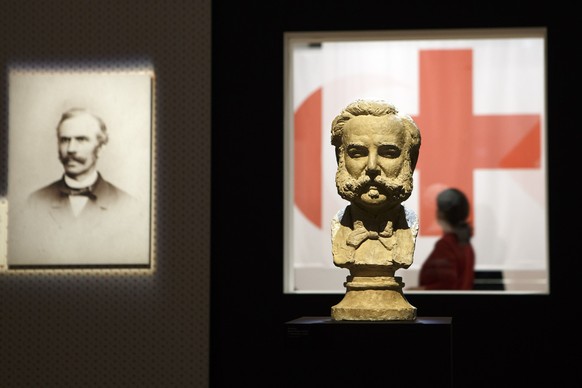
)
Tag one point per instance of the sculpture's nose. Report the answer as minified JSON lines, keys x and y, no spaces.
{"x":372,"y":166}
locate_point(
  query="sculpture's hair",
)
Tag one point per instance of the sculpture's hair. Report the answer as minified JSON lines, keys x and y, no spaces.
{"x":454,"y":207}
{"x":376,"y":108}
{"x":102,"y":136}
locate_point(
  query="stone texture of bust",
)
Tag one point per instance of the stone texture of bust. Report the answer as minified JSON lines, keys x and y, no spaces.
{"x":376,"y":149}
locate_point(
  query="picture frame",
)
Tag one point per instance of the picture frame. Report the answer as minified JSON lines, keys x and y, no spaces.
{"x":114,"y":236}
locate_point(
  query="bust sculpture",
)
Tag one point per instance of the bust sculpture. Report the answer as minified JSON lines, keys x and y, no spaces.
{"x":376,"y":151}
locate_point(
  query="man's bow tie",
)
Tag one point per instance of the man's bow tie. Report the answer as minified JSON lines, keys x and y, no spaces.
{"x":86,"y":191}
{"x":360,"y":234}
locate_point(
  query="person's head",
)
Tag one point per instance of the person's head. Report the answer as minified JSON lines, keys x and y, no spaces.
{"x":80,"y":136}
{"x":376,"y":150}
{"x":453,"y":208}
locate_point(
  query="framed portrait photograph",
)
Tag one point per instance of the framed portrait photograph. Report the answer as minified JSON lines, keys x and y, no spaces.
{"x":479,"y":99}
{"x":80,"y":168}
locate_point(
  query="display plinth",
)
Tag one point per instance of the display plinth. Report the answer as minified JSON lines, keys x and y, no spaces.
{"x":321,"y":352}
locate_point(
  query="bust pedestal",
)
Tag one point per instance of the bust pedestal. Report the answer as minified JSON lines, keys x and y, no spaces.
{"x":373,"y":298}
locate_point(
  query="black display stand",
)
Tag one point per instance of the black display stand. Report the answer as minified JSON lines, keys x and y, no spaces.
{"x":322,"y":352}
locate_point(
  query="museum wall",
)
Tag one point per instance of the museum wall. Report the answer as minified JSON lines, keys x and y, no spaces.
{"x":498,"y":340}
{"x":114,"y":328}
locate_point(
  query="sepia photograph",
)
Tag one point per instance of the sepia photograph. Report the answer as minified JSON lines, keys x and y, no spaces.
{"x":80,"y":168}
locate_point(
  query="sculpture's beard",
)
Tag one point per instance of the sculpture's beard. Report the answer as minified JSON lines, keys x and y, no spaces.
{"x":397,"y":189}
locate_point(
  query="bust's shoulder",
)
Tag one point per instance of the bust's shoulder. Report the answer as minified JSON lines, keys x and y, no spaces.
{"x":411,"y":220}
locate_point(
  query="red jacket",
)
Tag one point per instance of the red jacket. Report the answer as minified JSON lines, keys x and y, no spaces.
{"x":450,"y":265}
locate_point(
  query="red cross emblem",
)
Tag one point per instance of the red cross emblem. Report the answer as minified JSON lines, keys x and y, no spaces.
{"x":448,"y":126}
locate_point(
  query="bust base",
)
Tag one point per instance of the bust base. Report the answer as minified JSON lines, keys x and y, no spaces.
{"x":373,"y":298}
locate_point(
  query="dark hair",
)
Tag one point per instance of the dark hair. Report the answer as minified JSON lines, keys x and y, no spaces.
{"x":454,"y":207}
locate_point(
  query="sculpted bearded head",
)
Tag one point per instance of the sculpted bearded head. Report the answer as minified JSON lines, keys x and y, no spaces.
{"x":376,"y":150}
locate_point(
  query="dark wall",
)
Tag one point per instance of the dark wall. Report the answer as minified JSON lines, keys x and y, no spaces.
{"x":497,"y":340}
{"x":104,"y":329}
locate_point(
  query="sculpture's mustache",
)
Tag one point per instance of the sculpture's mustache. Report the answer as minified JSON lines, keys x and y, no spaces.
{"x":350,"y":188}
{"x":357,"y":185}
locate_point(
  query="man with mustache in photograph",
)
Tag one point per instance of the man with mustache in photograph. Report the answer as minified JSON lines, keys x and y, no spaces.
{"x":81,"y":216}
{"x":376,"y":149}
